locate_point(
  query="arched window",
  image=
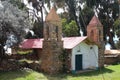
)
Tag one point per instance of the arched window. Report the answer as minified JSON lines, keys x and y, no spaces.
{"x":47,"y":32}
{"x":92,"y":34}
{"x":56,"y":30}
{"x":99,"y":35}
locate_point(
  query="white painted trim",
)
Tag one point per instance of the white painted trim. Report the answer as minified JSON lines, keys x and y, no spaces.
{"x":89,"y":56}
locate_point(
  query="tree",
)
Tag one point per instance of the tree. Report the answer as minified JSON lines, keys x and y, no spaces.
{"x":13,"y":23}
{"x":73,"y":9}
{"x":69,"y":29}
{"x":86,"y":15}
{"x":37,"y":17}
{"x":117,"y":27}
{"x":37,"y":14}
{"x":38,"y":6}
{"x":107,"y":11}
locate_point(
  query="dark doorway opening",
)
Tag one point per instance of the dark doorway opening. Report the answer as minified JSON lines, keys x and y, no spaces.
{"x":78,"y":62}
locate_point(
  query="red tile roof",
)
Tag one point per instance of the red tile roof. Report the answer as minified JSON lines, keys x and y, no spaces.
{"x":32,"y":43}
{"x":71,"y":42}
{"x":68,"y":42}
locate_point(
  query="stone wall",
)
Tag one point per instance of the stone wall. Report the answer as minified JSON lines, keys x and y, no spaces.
{"x":118,"y":58}
{"x":50,"y":62}
{"x":111,"y":60}
{"x":68,"y":60}
{"x":101,"y":54}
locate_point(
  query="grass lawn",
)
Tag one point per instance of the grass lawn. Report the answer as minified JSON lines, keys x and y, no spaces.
{"x":108,"y":73}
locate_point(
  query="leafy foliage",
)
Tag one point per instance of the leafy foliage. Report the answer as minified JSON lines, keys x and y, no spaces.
{"x":36,"y":15}
{"x":117,"y":27}
{"x":81,"y":11}
{"x":64,"y":58}
{"x":13,"y":22}
{"x":85,"y":17}
{"x":107,"y":11}
{"x":74,"y":8}
{"x":117,"y":45}
{"x":69,"y":29}
{"x":38,"y":29}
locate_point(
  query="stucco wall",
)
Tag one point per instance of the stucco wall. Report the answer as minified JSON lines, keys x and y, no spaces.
{"x":89,"y":53}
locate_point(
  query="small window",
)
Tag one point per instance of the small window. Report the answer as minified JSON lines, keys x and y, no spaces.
{"x":92,"y":35}
{"x":78,"y":49}
{"x":91,"y":47}
{"x":56,"y":29}
{"x":48,"y":31}
{"x":99,"y":35}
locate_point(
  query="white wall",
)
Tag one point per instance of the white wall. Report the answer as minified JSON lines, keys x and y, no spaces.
{"x":89,"y":53}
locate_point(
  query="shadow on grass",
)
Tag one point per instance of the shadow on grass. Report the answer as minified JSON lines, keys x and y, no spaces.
{"x":18,"y":74}
{"x":94,"y":73}
{"x":57,"y":77}
{"x":85,"y":74}
{"x":11,"y":75}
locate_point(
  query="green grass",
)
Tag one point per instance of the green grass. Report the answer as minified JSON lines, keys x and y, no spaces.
{"x":108,"y":73}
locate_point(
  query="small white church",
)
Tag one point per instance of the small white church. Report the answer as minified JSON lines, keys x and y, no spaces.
{"x":83,"y":52}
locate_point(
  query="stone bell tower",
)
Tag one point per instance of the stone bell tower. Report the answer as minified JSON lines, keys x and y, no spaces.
{"x":52,"y":44}
{"x":95,"y":34}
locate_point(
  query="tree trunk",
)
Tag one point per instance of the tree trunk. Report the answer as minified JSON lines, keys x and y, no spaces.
{"x":2,"y":53}
{"x":111,"y":40}
{"x":72,"y":13}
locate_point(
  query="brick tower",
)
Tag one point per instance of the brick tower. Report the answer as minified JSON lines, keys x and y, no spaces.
{"x":52,"y":44}
{"x":95,"y":34}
